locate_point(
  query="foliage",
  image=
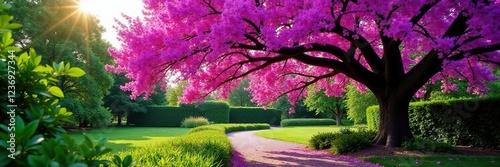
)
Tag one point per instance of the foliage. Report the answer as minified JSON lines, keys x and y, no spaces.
{"x":321,"y":102}
{"x":119,"y":102}
{"x":241,"y":97}
{"x":352,"y":141}
{"x":174,"y":93}
{"x":458,"y":122}
{"x":204,"y":146}
{"x":372,"y":117}
{"x":392,"y":48}
{"x":306,"y":122}
{"x":421,"y":144}
{"x":436,"y":160}
{"x":60,"y":33}
{"x":193,"y":122}
{"x":298,"y":110}
{"x":169,"y":116}
{"x":322,"y":140}
{"x":254,"y":115}
{"x":215,"y":111}
{"x":357,"y":102}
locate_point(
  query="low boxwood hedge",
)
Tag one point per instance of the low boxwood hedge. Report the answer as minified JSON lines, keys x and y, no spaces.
{"x":307,"y":122}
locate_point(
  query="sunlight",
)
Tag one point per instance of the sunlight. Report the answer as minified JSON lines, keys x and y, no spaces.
{"x":87,"y":6}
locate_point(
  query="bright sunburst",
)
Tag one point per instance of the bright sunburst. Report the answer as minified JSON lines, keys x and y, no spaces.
{"x":87,"y":6}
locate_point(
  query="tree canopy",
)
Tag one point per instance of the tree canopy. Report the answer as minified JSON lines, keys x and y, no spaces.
{"x":392,"y":48}
{"x":59,"y":32}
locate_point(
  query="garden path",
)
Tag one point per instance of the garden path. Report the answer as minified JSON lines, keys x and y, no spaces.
{"x":250,"y":150}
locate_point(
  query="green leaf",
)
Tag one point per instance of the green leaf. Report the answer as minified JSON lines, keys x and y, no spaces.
{"x":13,"y":26}
{"x":41,"y":69}
{"x":127,"y":161}
{"x":36,"y":140}
{"x":56,"y":91}
{"x":7,"y":39}
{"x":78,"y":165}
{"x":75,"y":72}
{"x":30,"y":129}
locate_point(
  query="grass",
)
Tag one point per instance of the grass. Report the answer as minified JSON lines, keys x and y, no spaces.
{"x":123,"y":138}
{"x":450,"y":160}
{"x":300,"y":134}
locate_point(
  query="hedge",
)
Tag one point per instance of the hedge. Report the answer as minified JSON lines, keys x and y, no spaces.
{"x":469,"y":122}
{"x":307,"y":122}
{"x":204,"y":146}
{"x":168,"y":116}
{"x":372,"y":117}
{"x":254,"y":115}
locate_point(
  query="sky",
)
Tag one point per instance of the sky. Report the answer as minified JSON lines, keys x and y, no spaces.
{"x":107,"y":10}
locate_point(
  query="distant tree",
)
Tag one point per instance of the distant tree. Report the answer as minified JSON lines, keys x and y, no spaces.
{"x":241,"y":97}
{"x":357,"y":102}
{"x":320,"y":102}
{"x":176,"y":92}
{"x":119,"y":102}
{"x":298,"y":110}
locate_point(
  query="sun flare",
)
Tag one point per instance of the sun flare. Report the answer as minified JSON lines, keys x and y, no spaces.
{"x":87,"y":6}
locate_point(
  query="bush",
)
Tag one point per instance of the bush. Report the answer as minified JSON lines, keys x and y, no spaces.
{"x":469,"y":122}
{"x":204,"y":146}
{"x":421,"y":144}
{"x":193,"y":122}
{"x":307,"y":122}
{"x":352,"y":141}
{"x":322,"y":140}
{"x":254,"y":115}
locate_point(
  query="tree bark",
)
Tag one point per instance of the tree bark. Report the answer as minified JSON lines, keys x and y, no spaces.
{"x":338,"y":115}
{"x":394,"y":125}
{"x":119,"y":115}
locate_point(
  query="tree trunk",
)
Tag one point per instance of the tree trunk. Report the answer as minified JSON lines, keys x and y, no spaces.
{"x":119,"y":119}
{"x":338,"y":115}
{"x":394,"y":126}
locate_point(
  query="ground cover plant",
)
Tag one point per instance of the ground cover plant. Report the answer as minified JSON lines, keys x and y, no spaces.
{"x":441,"y":160}
{"x":124,"y":138}
{"x":193,"y":122}
{"x":203,"y":146}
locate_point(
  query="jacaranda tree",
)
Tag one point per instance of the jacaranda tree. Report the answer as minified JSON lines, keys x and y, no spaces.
{"x":391,"y":47}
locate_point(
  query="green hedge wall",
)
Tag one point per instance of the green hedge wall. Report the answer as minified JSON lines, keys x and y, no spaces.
{"x":470,"y":122}
{"x":255,"y":115}
{"x":168,"y":116}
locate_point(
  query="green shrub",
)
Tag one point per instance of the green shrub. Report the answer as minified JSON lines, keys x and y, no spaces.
{"x":254,"y":115}
{"x":469,"y":122}
{"x":352,"y":141}
{"x":193,"y":122}
{"x":322,"y":140}
{"x":421,"y":144}
{"x":307,"y":122}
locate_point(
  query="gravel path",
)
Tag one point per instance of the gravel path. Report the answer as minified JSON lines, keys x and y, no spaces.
{"x":253,"y":151}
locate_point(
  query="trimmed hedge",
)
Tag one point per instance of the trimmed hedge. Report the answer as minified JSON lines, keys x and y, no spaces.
{"x":254,"y":115}
{"x":469,"y":122}
{"x":204,"y":146}
{"x":168,"y":116}
{"x":307,"y":122}
{"x":372,"y":117}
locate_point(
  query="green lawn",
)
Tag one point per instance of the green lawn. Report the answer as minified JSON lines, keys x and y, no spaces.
{"x":451,"y":160}
{"x":297,"y":134}
{"x":121,"y":138}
